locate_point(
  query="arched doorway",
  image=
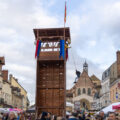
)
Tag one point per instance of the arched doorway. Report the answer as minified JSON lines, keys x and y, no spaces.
{"x":84,"y":104}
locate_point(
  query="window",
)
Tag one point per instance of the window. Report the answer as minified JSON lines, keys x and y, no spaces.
{"x":79,"y":91}
{"x":84,"y":91}
{"x":89,"y":91}
{"x":108,"y":72}
{"x":105,"y":74}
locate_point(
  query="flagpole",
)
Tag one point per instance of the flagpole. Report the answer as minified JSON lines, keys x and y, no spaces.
{"x":64,"y":30}
{"x":64,"y":21}
{"x":64,"y":111}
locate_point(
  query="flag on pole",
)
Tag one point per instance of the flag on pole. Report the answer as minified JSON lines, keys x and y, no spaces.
{"x":66,"y":54}
{"x":39,"y":46}
{"x":65,"y":13}
{"x":62,"y":49}
{"x":36,"y":48}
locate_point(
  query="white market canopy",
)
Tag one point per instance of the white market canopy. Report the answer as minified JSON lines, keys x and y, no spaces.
{"x":68,"y":113}
{"x":69,"y":104}
{"x":109,"y":108}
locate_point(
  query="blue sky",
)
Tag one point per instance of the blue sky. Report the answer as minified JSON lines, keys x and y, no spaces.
{"x":95,"y":33}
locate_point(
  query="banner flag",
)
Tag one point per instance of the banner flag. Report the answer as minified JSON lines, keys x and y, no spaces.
{"x":39,"y":46}
{"x":62,"y":49}
{"x":65,"y":13}
{"x":36,"y":48}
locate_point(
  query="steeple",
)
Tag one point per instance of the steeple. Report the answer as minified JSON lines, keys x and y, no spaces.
{"x":85,"y":67}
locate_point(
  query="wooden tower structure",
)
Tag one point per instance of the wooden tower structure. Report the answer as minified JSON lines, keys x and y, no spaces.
{"x":51,"y":71}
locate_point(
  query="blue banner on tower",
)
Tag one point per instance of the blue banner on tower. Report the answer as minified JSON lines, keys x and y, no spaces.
{"x":62,"y":49}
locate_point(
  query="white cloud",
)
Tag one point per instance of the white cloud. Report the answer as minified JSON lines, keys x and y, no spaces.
{"x":17,"y":39}
{"x":3,"y":6}
{"x":92,"y":43}
{"x":97,"y":25}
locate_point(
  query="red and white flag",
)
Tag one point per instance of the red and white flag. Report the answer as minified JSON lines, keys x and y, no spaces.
{"x":65,"y":12}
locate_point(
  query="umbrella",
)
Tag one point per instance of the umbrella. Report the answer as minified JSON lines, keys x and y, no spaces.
{"x":4,"y":110}
{"x":11,"y":109}
{"x":18,"y":110}
{"x":1,"y":110}
{"x":15,"y":110}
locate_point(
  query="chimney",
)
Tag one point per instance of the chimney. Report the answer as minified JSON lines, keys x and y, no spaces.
{"x":118,"y":64}
{"x":16,"y":80}
{"x":5,"y":75}
{"x":10,"y":77}
{"x":2,"y":62}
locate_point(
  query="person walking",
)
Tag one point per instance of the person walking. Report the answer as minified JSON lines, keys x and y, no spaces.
{"x":98,"y":117}
{"x":102,"y":115}
{"x":73,"y":117}
{"x":5,"y":116}
{"x":44,"y":116}
{"x":12,"y":116}
{"x":0,"y":117}
{"x":83,"y":116}
{"x":18,"y":117}
{"x":22,"y":116}
{"x":80,"y":116}
{"x":48,"y":116}
{"x":111,"y":116}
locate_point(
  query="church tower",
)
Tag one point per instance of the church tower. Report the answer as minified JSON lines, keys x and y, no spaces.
{"x":85,"y":67}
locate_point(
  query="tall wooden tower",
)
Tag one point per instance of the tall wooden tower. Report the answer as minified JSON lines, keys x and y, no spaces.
{"x":51,"y":71}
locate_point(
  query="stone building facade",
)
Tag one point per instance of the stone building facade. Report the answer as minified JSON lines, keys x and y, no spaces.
{"x":85,"y":88}
{"x":115,"y":83}
{"x":105,"y":91}
{"x":12,"y":94}
{"x":115,"y":91}
{"x":109,"y":76}
{"x":19,"y":94}
{"x":110,"y":80}
{"x":5,"y":87}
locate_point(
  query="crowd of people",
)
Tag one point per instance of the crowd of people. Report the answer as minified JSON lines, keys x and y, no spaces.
{"x":48,"y":116}
{"x":81,"y":116}
{"x":100,"y":116}
{"x":17,"y":116}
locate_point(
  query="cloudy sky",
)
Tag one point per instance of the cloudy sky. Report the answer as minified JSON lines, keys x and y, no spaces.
{"x":95,"y":33}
